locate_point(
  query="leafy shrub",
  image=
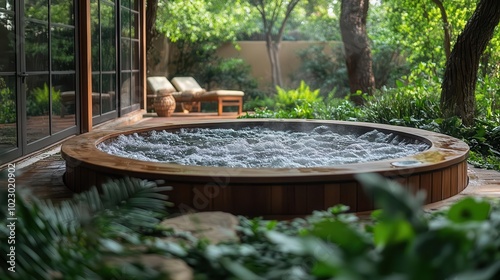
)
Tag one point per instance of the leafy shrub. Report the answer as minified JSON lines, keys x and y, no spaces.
{"x":71,"y":240}
{"x":288,"y":99}
{"x":7,"y":105}
{"x":398,"y":241}
{"x":39,"y":100}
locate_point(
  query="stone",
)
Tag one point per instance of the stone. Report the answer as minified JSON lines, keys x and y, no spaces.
{"x":217,"y":227}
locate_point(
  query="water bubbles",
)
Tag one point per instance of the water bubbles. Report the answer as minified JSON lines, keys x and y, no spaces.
{"x":261,"y":147}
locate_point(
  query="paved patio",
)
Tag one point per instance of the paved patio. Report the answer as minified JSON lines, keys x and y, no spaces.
{"x":42,"y":173}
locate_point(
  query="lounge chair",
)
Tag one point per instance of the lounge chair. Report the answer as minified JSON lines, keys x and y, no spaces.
{"x":160,"y":84}
{"x":223,"y":98}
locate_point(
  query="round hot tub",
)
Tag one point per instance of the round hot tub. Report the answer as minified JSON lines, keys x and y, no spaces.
{"x":283,"y":192}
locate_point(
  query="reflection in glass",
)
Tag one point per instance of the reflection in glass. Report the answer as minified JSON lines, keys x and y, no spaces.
{"x":134,"y":25}
{"x":126,"y":3}
{"x":125,"y":90}
{"x":38,"y":98}
{"x":108,"y":95}
{"x":125,"y":22}
{"x":7,"y":5}
{"x":125,"y":48}
{"x":63,"y":102}
{"x":37,"y":51}
{"x":95,"y":35}
{"x":108,"y":38}
{"x":37,"y":9}
{"x":136,"y":93}
{"x":135,"y":55}
{"x":96,"y":89}
{"x":62,"y":11}
{"x":7,"y":43}
{"x":63,"y":48}
{"x":8,"y":116}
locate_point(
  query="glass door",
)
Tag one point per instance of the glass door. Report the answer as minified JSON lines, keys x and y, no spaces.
{"x":40,"y":75}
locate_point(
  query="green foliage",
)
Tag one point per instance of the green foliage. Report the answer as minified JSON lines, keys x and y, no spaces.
{"x":72,"y":240}
{"x":322,"y":69}
{"x":7,"y":104}
{"x":40,"y":99}
{"x":204,"y":21}
{"x":414,"y":102}
{"x":400,"y":241}
{"x":288,"y":99}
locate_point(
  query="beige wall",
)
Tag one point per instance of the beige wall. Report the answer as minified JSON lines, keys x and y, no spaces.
{"x":252,"y":52}
{"x":255,"y":54}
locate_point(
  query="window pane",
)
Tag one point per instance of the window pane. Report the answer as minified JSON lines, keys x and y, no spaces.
{"x":135,"y":55}
{"x":108,"y":96}
{"x":37,"y":9}
{"x":125,"y":23}
{"x":126,"y":3}
{"x":125,"y":91}
{"x":136,"y":93}
{"x":7,"y":43}
{"x":63,"y":48}
{"x":95,"y":35}
{"x":7,"y":5}
{"x":62,"y":11}
{"x":126,"y":54}
{"x":134,"y":25}
{"x":38,"y":99}
{"x":63,"y":102}
{"x":96,"y":89}
{"x":108,"y":38}
{"x":8,"y":117}
{"x":37,"y":51}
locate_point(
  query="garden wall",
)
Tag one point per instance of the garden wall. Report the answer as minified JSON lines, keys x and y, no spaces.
{"x":255,"y":54}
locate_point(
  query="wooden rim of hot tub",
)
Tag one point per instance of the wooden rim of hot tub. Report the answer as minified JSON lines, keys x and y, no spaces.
{"x":273,"y":193}
{"x":82,"y":151}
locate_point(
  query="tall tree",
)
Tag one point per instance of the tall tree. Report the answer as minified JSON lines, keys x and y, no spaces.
{"x":274,"y":15}
{"x":151,"y":10}
{"x":357,"y":47}
{"x":460,"y":77}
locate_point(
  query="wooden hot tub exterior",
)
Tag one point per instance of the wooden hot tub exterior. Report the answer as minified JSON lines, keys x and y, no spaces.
{"x":273,"y":192}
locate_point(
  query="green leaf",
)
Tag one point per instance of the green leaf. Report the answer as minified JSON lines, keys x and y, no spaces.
{"x":340,"y":234}
{"x":393,"y":232}
{"x":469,"y":209}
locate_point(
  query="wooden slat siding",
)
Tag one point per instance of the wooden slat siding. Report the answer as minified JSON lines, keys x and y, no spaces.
{"x":446,"y":183}
{"x":245,"y":200}
{"x":462,"y":175}
{"x":436,"y":186}
{"x":315,"y":198}
{"x":288,"y":199}
{"x":277,"y":201}
{"x":364,"y":202}
{"x":199,"y":200}
{"x":92,"y":178}
{"x":84,"y":178}
{"x":222,"y":198}
{"x":77,"y":179}
{"x":182,"y":196}
{"x":414,"y":184}
{"x":349,"y":195}
{"x":332,"y":195}
{"x":454,"y":180}
{"x":69,"y":178}
{"x":300,"y":199}
{"x":426,"y":185}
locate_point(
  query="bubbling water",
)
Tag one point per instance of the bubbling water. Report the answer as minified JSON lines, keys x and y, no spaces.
{"x":259,"y":147}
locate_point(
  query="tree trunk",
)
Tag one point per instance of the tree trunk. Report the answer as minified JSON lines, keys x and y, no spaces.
{"x":356,"y":46}
{"x":459,"y":82}
{"x":446,"y":28}
{"x":151,"y":9}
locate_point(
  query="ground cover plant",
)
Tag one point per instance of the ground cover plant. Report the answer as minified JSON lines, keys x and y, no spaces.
{"x":102,"y":236}
{"x":414,"y":102}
